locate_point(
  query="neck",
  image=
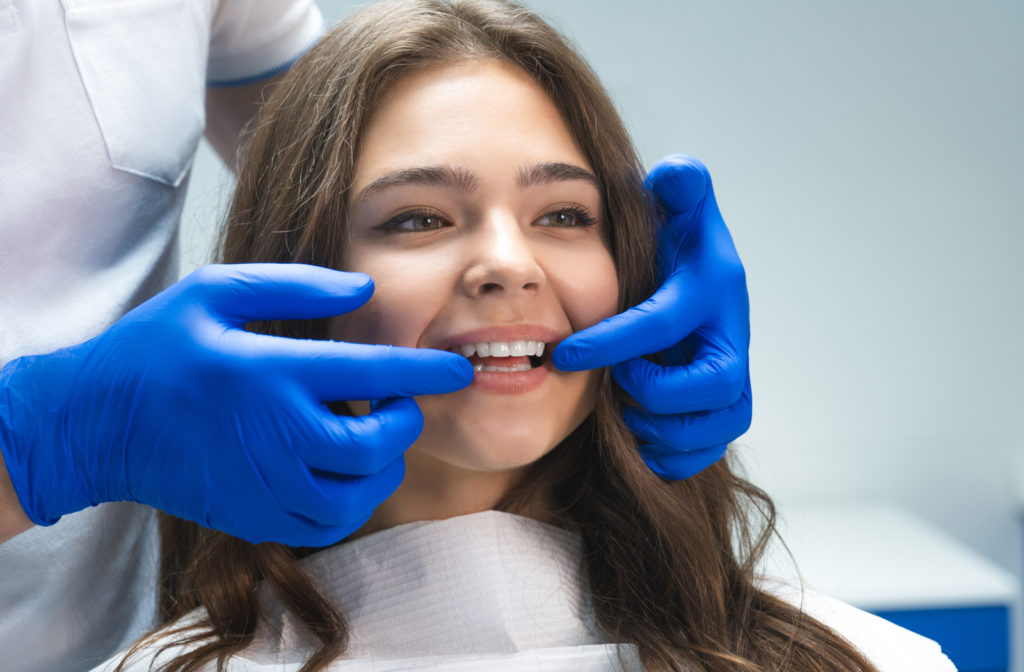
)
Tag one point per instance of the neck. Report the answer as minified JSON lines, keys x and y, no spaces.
{"x":435,"y":490}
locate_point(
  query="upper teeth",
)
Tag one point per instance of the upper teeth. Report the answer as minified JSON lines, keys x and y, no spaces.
{"x":502,"y":349}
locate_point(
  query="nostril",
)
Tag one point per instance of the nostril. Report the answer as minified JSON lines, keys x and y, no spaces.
{"x":489,"y":287}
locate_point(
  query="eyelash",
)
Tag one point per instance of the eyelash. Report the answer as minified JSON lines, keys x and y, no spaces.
{"x":394,"y":225}
{"x":582,"y":214}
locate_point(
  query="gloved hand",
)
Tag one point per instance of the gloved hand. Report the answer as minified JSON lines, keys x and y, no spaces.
{"x":699,"y":319}
{"x":176,"y":406}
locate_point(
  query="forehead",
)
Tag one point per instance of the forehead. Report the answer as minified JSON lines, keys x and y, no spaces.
{"x":485,"y":115}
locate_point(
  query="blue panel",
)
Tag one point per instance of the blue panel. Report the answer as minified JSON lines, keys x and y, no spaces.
{"x":976,"y":639}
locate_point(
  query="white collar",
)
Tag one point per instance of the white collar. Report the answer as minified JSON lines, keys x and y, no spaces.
{"x":490,"y":583}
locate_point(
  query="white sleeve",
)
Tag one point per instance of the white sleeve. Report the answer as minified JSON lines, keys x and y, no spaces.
{"x":887,"y":645}
{"x":251,"y":40}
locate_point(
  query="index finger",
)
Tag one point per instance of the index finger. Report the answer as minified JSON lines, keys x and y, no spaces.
{"x":672,"y":312}
{"x":337,"y":371}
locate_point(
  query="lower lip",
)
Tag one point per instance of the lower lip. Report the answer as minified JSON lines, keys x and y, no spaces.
{"x":510,"y":382}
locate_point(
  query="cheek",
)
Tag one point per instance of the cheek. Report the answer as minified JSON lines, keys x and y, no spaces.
{"x":588,"y":289}
{"x":402,"y":305}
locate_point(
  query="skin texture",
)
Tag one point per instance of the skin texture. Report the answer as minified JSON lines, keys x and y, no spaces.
{"x":487,"y":252}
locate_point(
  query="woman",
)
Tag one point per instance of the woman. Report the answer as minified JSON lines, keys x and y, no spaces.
{"x":469,"y":161}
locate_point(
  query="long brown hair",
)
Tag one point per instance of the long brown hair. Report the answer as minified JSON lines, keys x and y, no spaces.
{"x":671,"y":565}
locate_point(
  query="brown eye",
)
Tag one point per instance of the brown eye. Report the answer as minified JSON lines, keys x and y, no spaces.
{"x":422,"y":223}
{"x":414,"y":221}
{"x":566,"y":218}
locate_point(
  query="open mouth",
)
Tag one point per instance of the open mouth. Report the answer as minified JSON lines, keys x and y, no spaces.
{"x":503,"y":356}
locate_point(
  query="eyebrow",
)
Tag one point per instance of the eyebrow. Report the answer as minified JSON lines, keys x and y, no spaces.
{"x":544,"y":173}
{"x":431,"y":176}
{"x":465,"y":180}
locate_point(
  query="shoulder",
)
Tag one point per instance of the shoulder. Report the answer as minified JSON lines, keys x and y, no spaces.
{"x":250,"y":41}
{"x":887,"y":645}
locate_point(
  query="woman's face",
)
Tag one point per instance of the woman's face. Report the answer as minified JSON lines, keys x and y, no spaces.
{"x":480,"y":222}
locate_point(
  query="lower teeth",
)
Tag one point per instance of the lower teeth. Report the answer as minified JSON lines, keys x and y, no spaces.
{"x":503,"y":369}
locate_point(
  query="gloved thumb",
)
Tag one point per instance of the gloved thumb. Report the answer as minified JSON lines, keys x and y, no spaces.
{"x":679,"y":182}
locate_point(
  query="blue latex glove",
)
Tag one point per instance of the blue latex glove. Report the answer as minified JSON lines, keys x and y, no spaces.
{"x":699,"y":320}
{"x":176,"y":406}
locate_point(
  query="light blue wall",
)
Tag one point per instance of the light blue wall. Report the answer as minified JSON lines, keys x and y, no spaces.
{"x":868,"y":159}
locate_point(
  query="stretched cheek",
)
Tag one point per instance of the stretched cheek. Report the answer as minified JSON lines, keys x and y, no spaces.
{"x":397,"y":318}
{"x":364,"y":325}
{"x":593,"y":295}
{"x":401,"y":305}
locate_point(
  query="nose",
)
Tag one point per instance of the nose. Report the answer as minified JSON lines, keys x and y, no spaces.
{"x":502,"y":260}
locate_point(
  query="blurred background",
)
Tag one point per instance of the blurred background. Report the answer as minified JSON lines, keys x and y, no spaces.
{"x":869,"y":161}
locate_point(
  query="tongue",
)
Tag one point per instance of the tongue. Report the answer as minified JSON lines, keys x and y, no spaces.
{"x":499,"y":361}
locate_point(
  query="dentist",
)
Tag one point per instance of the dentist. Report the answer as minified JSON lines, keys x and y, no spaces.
{"x":114,"y":392}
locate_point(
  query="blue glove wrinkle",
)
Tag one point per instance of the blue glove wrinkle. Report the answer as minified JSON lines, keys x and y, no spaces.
{"x":683,"y":466}
{"x":375,"y":440}
{"x":678,"y":433}
{"x":712,"y":380}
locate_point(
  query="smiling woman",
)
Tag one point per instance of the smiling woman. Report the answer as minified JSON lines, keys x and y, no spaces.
{"x":496,"y":254}
{"x":465,"y":157}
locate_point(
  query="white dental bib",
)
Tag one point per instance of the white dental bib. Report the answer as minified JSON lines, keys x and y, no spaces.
{"x":490,"y":588}
{"x":490,"y":591}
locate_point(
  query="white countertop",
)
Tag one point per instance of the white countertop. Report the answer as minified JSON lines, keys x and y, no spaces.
{"x":880,"y":556}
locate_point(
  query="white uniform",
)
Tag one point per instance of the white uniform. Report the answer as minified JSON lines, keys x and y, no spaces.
{"x":101,"y":110}
{"x":491,"y":591}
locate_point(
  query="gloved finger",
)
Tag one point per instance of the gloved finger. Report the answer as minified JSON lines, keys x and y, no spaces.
{"x":354,"y":498}
{"x":366,"y":444}
{"x":681,"y":466}
{"x":325,"y":498}
{"x":679,"y":182}
{"x":285,"y":527}
{"x":303,"y":532}
{"x":672,"y":434}
{"x":300,"y":532}
{"x":297,"y":528}
{"x":336,"y":371}
{"x":694,"y":226}
{"x":676,"y":309}
{"x":240,"y":293}
{"x":715,"y":379}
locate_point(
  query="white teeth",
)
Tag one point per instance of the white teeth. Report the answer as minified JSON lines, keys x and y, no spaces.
{"x":502,"y":369}
{"x":501,"y":349}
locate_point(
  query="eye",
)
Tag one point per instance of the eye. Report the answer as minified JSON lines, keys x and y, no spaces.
{"x":565,"y":218}
{"x":413,"y":221}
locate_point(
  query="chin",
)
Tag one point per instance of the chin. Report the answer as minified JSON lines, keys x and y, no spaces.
{"x":481,"y":434}
{"x":497,"y":451}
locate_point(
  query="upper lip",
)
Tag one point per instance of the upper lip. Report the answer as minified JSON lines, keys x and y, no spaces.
{"x":506,"y":333}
